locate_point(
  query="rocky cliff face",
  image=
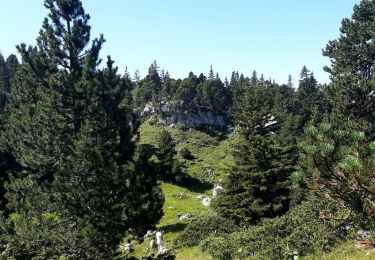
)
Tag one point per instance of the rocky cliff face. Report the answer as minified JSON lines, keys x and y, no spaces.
{"x":172,"y":115}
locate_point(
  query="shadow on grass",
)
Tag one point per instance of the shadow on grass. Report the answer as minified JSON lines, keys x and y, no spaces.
{"x":192,"y":183}
{"x":174,"y":228}
{"x":220,"y":133}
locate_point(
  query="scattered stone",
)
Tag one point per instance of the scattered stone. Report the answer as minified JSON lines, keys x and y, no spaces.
{"x":174,"y":114}
{"x":201,"y":197}
{"x":217,"y":189}
{"x":152,"y":244}
{"x":364,"y":239}
{"x":185,"y":216}
{"x":206,"y":202}
{"x":181,"y":195}
{"x":363,"y":235}
{"x":128,"y":248}
{"x":149,"y":234}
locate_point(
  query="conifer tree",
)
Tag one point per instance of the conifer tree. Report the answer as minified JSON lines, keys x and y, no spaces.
{"x":149,"y":88}
{"x":258,"y":186}
{"x":166,"y":155}
{"x":3,"y":81}
{"x":338,"y":156}
{"x":211,"y":74}
{"x":352,"y":54}
{"x":69,"y":126}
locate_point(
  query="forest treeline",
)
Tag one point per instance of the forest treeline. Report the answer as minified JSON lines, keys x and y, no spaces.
{"x":75,"y":181}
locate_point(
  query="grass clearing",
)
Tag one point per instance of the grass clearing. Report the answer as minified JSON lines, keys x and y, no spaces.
{"x":211,"y":151}
{"x":346,"y":251}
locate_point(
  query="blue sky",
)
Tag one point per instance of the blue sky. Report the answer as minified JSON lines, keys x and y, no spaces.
{"x":273,"y":37}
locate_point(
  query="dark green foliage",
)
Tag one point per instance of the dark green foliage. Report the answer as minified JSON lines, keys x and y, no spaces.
{"x":70,"y":126}
{"x":299,"y":232}
{"x":214,"y":96}
{"x":185,"y":153}
{"x":338,"y":156}
{"x":203,"y":227}
{"x":351,"y":95}
{"x":8,"y":68}
{"x":149,"y":89}
{"x":340,"y":164}
{"x":352,"y":54}
{"x":166,"y":154}
{"x":308,"y":102}
{"x":258,"y":186}
{"x":352,"y":101}
{"x":3,"y":81}
{"x":186,"y":92}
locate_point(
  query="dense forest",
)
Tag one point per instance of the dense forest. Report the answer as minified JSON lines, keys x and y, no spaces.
{"x":89,"y":155}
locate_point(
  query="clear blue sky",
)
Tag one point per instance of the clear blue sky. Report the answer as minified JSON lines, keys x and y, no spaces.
{"x":273,"y":37}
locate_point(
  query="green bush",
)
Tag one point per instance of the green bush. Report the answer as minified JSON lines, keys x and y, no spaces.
{"x":186,"y":154}
{"x":299,"y":232}
{"x":201,"y":228}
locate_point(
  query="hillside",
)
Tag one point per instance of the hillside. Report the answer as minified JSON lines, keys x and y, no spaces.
{"x":211,"y":150}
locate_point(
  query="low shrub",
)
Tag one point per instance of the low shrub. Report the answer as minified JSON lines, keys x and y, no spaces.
{"x":203,"y":227}
{"x":299,"y":232}
{"x":186,"y":154}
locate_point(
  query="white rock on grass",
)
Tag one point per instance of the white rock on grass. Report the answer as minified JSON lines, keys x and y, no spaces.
{"x":200,"y":197}
{"x":206,"y":202}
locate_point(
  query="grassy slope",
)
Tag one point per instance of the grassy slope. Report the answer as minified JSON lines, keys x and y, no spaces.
{"x":212,"y":151}
{"x":212,"y":159}
{"x":346,"y":251}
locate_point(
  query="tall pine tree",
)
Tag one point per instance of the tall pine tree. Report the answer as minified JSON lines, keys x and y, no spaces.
{"x":258,"y":186}
{"x":70,"y":127}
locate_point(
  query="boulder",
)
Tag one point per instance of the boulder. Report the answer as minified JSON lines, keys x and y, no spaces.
{"x":206,"y":202}
{"x":173,"y":115}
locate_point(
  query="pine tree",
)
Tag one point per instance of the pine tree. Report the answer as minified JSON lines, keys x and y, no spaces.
{"x":149,"y":88}
{"x":166,"y":155}
{"x":290,"y":81}
{"x":186,"y":92}
{"x":3,"y":81}
{"x":211,"y":74}
{"x":341,"y":164}
{"x":8,"y":68}
{"x":254,"y":78}
{"x":338,"y":157}
{"x":258,"y":186}
{"x":214,"y":96}
{"x":69,"y":126}
{"x":308,"y":99}
{"x":352,"y":54}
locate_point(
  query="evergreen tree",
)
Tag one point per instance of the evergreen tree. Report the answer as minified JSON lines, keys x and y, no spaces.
{"x":149,"y":88}
{"x":69,"y":126}
{"x":341,"y":164}
{"x":254,"y":78}
{"x":3,"y":81}
{"x":290,"y":81}
{"x":186,"y":93}
{"x":338,"y":157}
{"x":168,"y":87}
{"x":211,"y":74}
{"x":258,"y":186}
{"x":308,"y":99}
{"x":12,"y":65}
{"x":214,"y":96}
{"x":352,"y":54}
{"x":166,"y":155}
